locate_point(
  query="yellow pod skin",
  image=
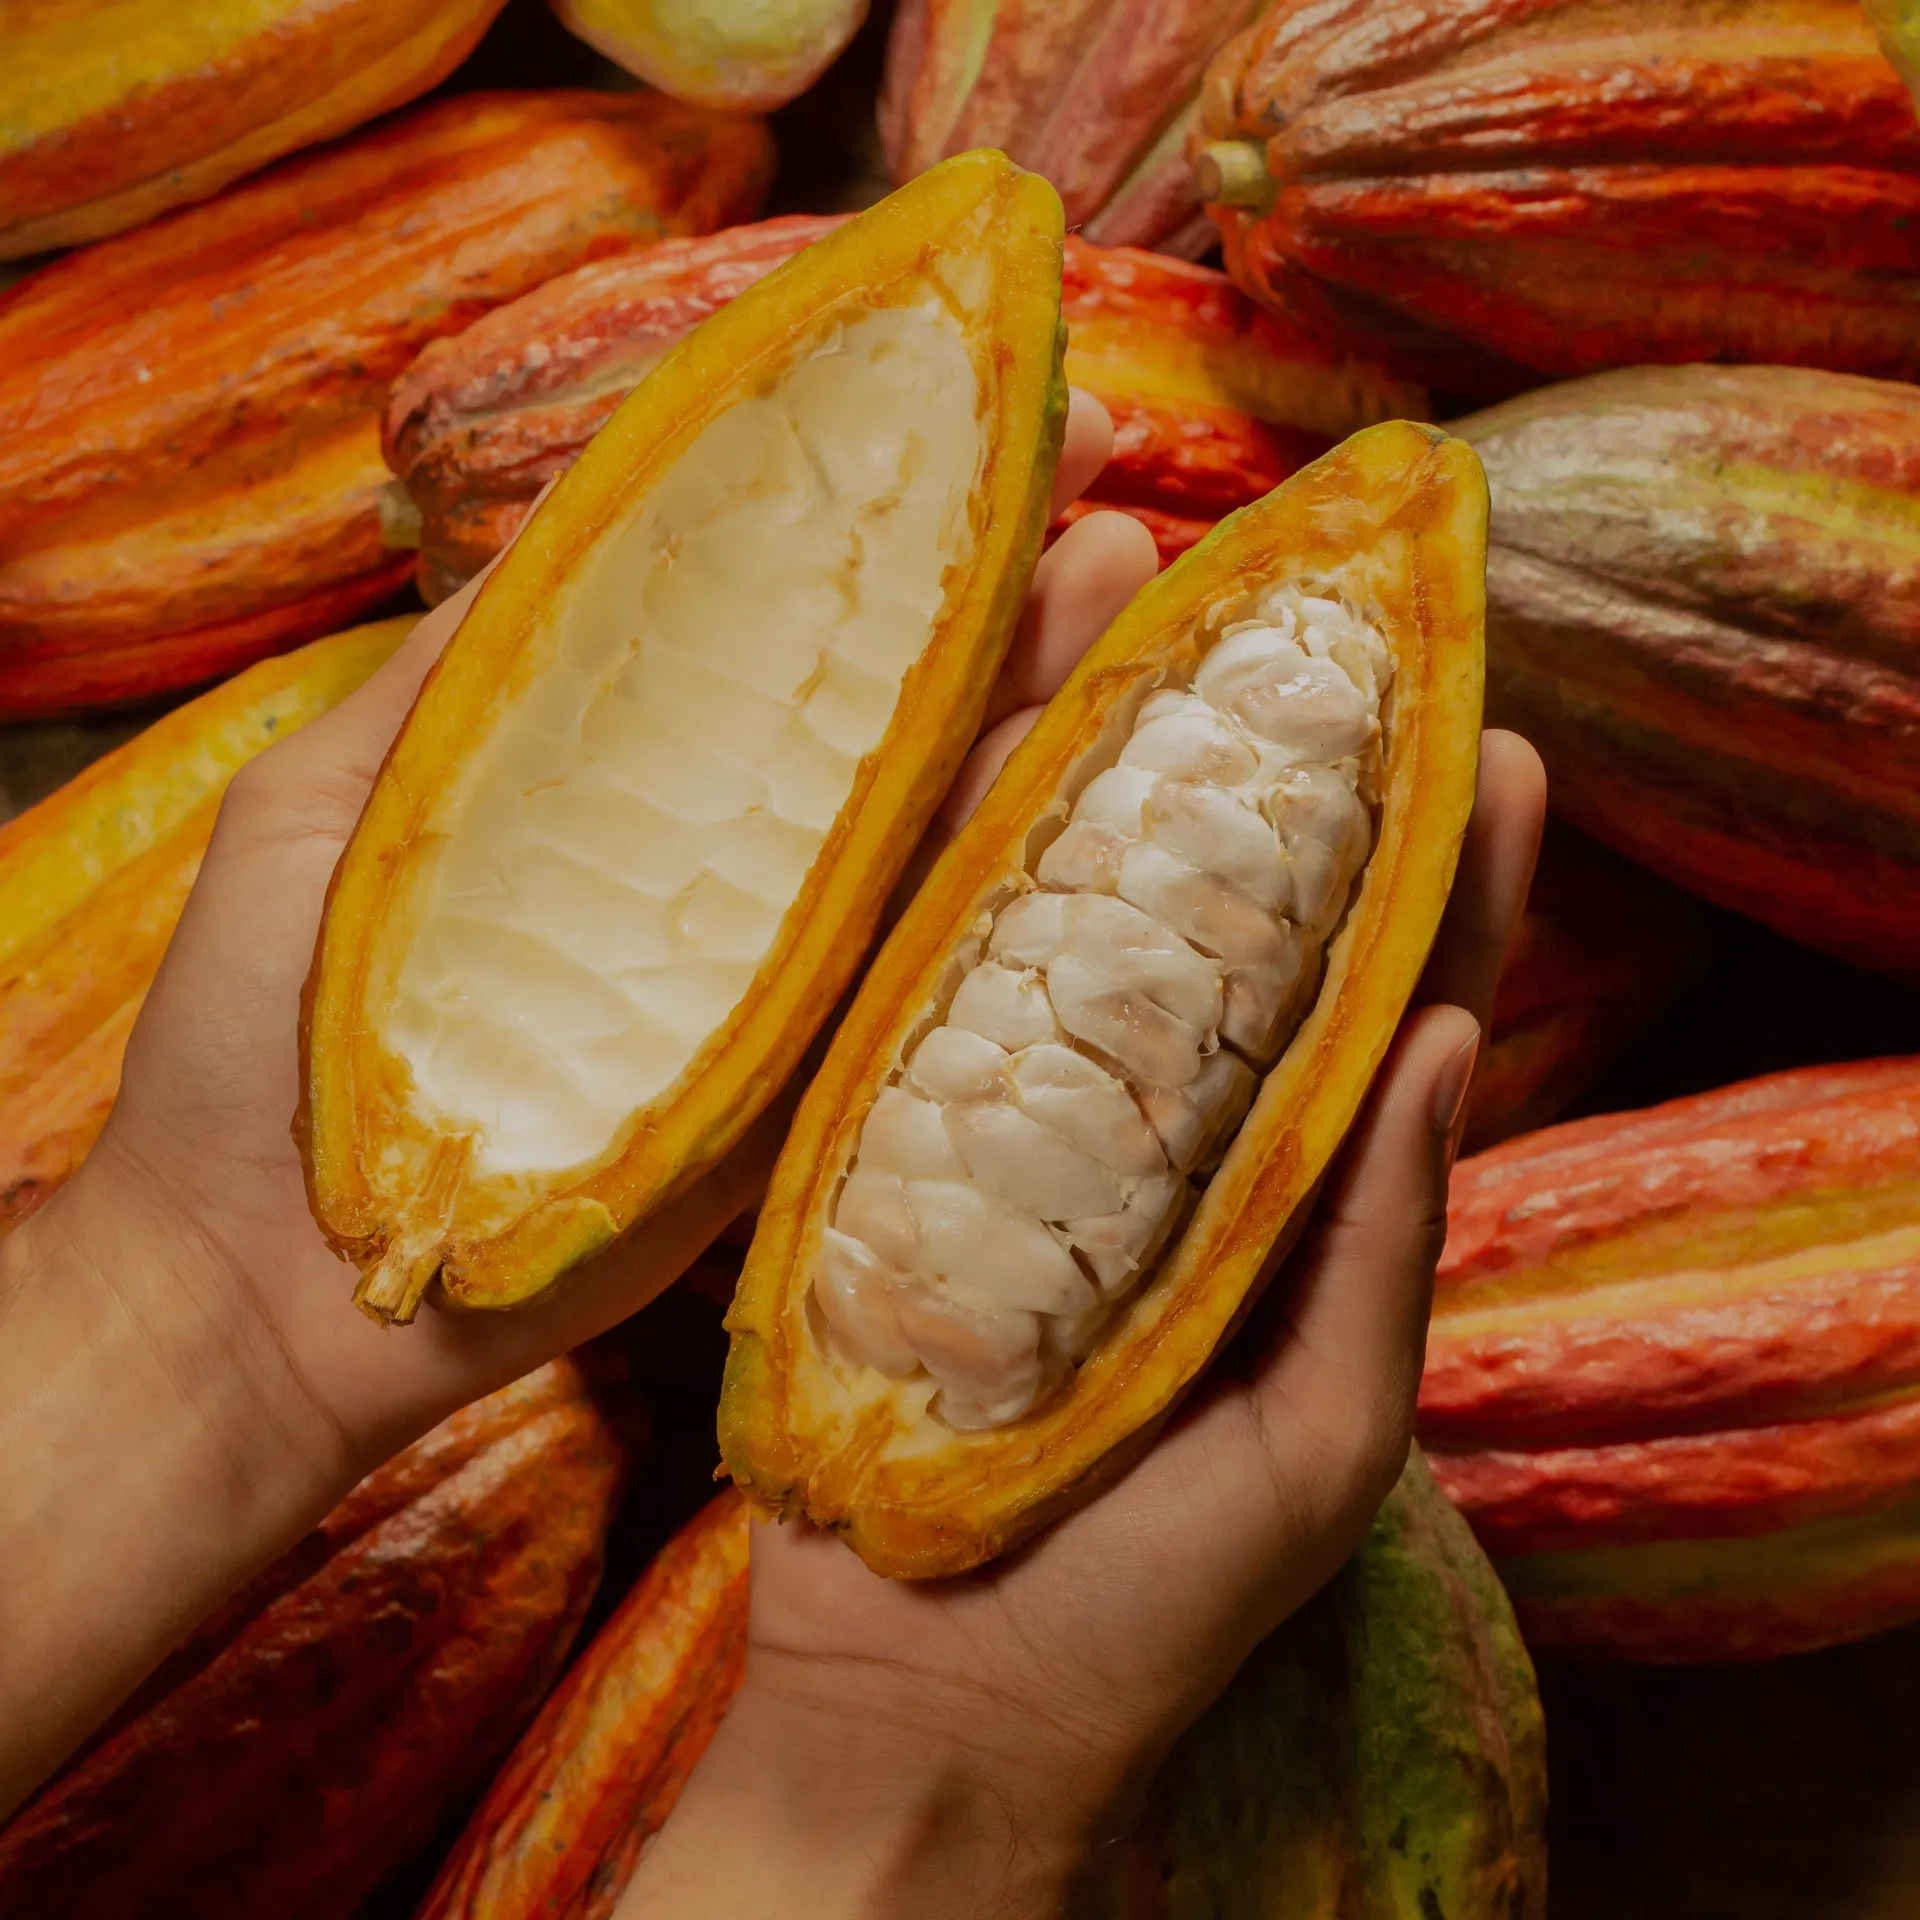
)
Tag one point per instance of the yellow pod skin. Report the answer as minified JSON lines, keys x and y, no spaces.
{"x":1398,"y":514}
{"x":433,"y":1158}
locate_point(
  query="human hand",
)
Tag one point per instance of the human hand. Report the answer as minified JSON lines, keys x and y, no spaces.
{"x":964,"y":1746}
{"x":183,"y":1357}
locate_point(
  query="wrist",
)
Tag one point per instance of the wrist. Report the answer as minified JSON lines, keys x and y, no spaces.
{"x":148,"y":1471}
{"x":851,"y":1814}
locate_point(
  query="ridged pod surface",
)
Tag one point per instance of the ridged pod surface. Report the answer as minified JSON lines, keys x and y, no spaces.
{"x":311,"y":1735}
{"x":636,"y":832}
{"x":1213,"y":401}
{"x":190,"y":465}
{"x":1567,"y":185}
{"x":1381,"y":1757}
{"x":1602,"y":951}
{"x":115,"y":111}
{"x":1098,"y":95}
{"x":1703,"y":607}
{"x":1673,"y":1376}
{"x":593,"y":1779}
{"x":746,"y":54}
{"x":1393,"y":523}
{"x":92,"y":881}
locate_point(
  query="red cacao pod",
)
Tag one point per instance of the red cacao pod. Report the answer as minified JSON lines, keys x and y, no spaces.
{"x":1703,"y":607}
{"x":311,"y":1735}
{"x":1564,"y":190}
{"x":1214,"y":402}
{"x":1673,"y":1376}
{"x":189,"y":414}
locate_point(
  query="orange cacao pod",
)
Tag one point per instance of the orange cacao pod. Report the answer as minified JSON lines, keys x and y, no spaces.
{"x":1673,"y":1377}
{"x":1213,"y":401}
{"x":1703,"y":607}
{"x":564,"y":1823}
{"x":1098,"y":95}
{"x":1567,"y":192}
{"x":312,"y":1734}
{"x":113,"y":113}
{"x":189,"y":415}
{"x":92,"y":881}
{"x":1602,"y":951}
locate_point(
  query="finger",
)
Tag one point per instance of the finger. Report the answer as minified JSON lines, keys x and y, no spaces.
{"x":1086,"y":447}
{"x":1496,"y":868}
{"x":1341,"y":1356}
{"x":980,"y":771}
{"x":1079,"y":587}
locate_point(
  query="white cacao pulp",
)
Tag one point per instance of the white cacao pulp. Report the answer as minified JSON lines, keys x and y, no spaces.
{"x":1019,"y":1173}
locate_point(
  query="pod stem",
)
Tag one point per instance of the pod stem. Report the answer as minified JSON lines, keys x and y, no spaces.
{"x":390,"y":1291}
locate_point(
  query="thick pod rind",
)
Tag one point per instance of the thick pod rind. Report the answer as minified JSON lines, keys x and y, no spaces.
{"x":976,"y":241}
{"x":1405,"y":507}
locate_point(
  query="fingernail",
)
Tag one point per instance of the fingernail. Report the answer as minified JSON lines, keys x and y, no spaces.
{"x":1451,"y":1084}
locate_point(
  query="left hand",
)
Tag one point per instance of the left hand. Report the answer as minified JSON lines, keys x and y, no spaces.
{"x":185,"y":1385}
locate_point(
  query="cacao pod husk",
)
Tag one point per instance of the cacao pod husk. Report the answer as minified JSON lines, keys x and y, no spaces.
{"x":1098,"y":95}
{"x":564,"y":1824}
{"x":1602,"y":951}
{"x":1703,"y":607}
{"x":189,"y":415}
{"x":1381,"y":1755}
{"x":1213,"y":401}
{"x":92,"y":881}
{"x":788,"y":769}
{"x":115,"y":113}
{"x":311,"y":1735}
{"x":1397,"y":515}
{"x":1557,"y":194}
{"x":1673,"y":1376}
{"x":743,"y":54}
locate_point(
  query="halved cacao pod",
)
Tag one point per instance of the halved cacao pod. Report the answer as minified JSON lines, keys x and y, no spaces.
{"x":1098,"y":95}
{"x":1566,"y":190}
{"x":633,"y":839}
{"x":1213,"y":401}
{"x":190,"y":467}
{"x":1703,"y":607}
{"x":1601,"y":953}
{"x":92,"y":881}
{"x":593,"y":1779}
{"x":1383,"y":1756}
{"x":744,"y":54}
{"x":114,"y":112}
{"x":1673,"y":1378}
{"x":308,"y":1738}
{"x":942,"y":1336}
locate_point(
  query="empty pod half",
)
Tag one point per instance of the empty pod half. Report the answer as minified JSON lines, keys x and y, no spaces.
{"x":1114,"y":1042}
{"x":632,"y":840}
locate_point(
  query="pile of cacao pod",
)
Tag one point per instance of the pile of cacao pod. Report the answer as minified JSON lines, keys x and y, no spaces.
{"x":311,"y":308}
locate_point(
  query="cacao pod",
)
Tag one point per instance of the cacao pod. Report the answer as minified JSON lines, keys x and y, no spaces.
{"x":311,"y":1735}
{"x":1602,"y":951}
{"x":1564,"y":192}
{"x":113,"y":113}
{"x":1673,"y":1377}
{"x":1380,"y":1756}
{"x":1898,"y":24}
{"x":1213,"y":401}
{"x":723,"y":53}
{"x":1703,"y":607}
{"x":727,"y":674}
{"x":189,"y":415}
{"x":593,"y":1779}
{"x":1098,"y":95}
{"x":978,"y":1284}
{"x":92,"y":881}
